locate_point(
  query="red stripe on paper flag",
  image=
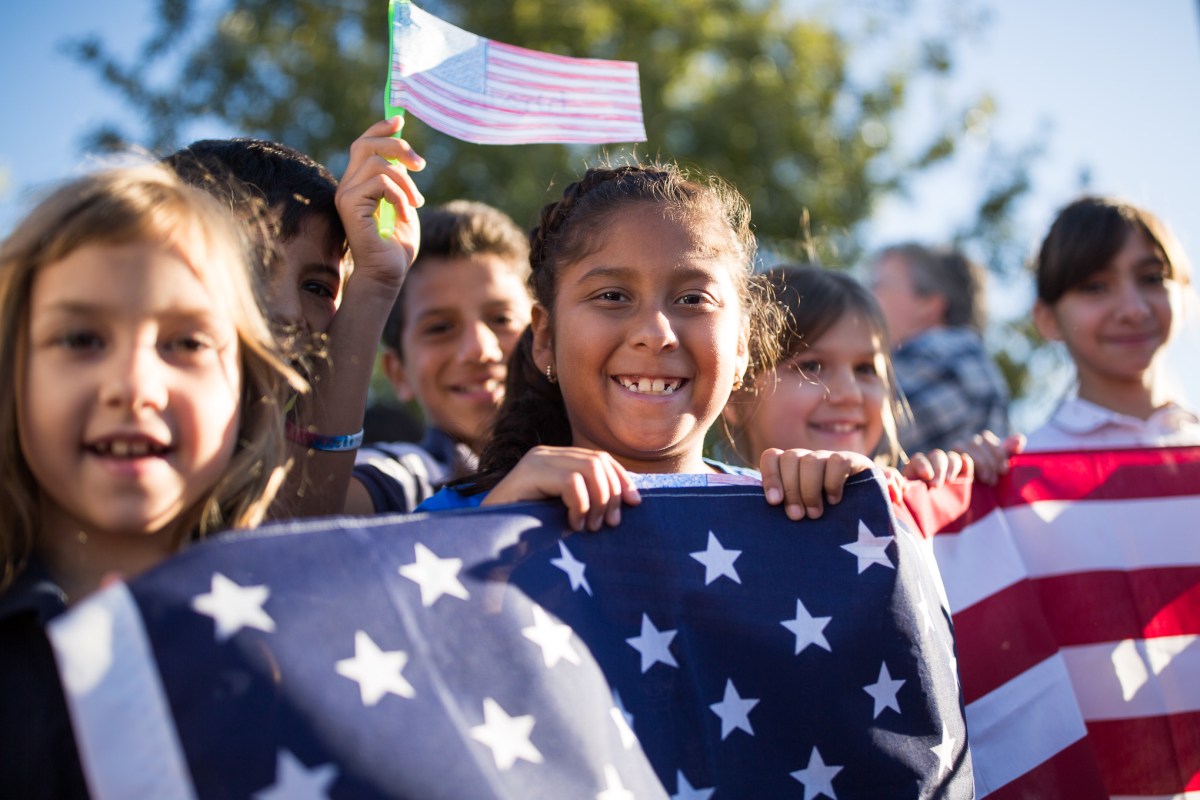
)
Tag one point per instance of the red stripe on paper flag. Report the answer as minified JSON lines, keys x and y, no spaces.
{"x":488,"y":92}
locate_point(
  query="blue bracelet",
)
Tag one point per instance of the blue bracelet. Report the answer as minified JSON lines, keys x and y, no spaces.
{"x":326,"y":444}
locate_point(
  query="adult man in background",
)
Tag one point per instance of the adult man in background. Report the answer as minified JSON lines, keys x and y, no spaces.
{"x":932,"y":299}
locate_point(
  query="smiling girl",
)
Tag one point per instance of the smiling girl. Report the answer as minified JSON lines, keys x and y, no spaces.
{"x":646,"y":319}
{"x":834,"y":388}
{"x":144,"y":410}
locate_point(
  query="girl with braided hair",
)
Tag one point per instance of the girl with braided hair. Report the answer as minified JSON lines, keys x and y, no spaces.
{"x":647,"y":317}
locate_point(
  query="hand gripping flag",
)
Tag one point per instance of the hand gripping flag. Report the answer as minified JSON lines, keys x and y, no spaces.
{"x":488,"y":92}
{"x":705,"y":648}
{"x":1075,"y":589}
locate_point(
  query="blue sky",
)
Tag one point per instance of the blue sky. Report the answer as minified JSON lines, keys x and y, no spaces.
{"x":1110,"y":86}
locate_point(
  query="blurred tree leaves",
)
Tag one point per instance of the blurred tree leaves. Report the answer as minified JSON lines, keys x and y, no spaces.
{"x":762,"y":96}
{"x":758,"y":91}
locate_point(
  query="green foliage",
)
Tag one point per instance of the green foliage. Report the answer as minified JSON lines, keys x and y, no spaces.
{"x":753,"y":90}
{"x":757,"y":95}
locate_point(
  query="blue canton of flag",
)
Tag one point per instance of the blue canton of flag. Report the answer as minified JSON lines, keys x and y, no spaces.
{"x":707,"y":647}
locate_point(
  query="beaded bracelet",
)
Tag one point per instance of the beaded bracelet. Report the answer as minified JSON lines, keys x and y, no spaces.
{"x":327,"y":444}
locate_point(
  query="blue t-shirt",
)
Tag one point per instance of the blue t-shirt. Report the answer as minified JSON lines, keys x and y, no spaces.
{"x":451,"y":498}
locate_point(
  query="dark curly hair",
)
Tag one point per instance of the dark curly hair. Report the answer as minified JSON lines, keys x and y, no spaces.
{"x":533,"y":411}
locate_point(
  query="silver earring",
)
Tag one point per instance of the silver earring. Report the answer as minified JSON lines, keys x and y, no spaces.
{"x":550,"y":374}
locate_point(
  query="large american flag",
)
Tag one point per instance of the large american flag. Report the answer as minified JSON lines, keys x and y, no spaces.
{"x":705,"y":648}
{"x":488,"y":92}
{"x":1075,"y":589}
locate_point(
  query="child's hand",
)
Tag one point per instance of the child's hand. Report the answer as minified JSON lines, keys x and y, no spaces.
{"x":991,"y":454}
{"x":803,"y":479}
{"x":591,"y":483}
{"x":938,"y":466}
{"x":369,"y":178}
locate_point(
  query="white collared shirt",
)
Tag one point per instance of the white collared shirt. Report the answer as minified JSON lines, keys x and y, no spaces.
{"x":1082,"y":425}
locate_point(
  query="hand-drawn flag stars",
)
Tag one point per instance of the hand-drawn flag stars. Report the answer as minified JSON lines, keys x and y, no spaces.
{"x":436,"y":576}
{"x":294,"y":781}
{"x":870,"y":549}
{"x":817,"y":777}
{"x":234,"y":607}
{"x":654,"y":645}
{"x":717,"y":561}
{"x":884,"y":691}
{"x":808,"y":629}
{"x":734,"y":711}
{"x":377,"y":672}
{"x":508,"y":737}
{"x":573,"y":568}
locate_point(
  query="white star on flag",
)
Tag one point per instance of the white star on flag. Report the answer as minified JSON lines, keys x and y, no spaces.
{"x":654,"y":645}
{"x":508,"y":737}
{"x":624,"y":722}
{"x":553,"y":637}
{"x":870,"y":549}
{"x":377,"y":672}
{"x":734,"y":711}
{"x":685,"y":791}
{"x":884,"y":691}
{"x":817,"y":777}
{"x":808,"y":629}
{"x":294,"y":781}
{"x":615,"y":788}
{"x":923,"y":608}
{"x":436,"y":576}
{"x":944,"y":752}
{"x":573,"y":568}
{"x":717,"y":561}
{"x":234,"y":607}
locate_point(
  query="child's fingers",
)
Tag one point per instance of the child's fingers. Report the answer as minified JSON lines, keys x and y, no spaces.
{"x":576,"y":498}
{"x":809,"y":469}
{"x":768,"y":467}
{"x":919,"y":468}
{"x":599,"y":485}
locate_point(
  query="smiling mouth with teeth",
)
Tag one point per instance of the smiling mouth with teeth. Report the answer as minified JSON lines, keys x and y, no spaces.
{"x":659,"y":386}
{"x":127,"y":448}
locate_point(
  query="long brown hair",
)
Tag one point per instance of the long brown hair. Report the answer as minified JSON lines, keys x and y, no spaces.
{"x":120,"y":206}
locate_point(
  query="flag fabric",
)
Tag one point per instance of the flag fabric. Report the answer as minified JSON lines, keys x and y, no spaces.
{"x":488,"y":92}
{"x":707,"y":647}
{"x":1075,"y":590}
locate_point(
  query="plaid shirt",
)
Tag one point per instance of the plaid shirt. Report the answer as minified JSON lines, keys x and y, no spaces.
{"x":953,"y":388}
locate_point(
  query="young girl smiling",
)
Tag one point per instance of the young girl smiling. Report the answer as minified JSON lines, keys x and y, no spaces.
{"x":144,"y":409}
{"x":647,"y":317}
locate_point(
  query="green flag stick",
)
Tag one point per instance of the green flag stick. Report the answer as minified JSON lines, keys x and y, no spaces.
{"x":385,"y":219}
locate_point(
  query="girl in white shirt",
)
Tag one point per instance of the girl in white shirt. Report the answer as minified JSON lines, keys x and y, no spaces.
{"x":1109,"y":281}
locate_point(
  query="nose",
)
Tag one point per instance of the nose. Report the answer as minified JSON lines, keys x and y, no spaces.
{"x":841,"y":386}
{"x":653,"y":330}
{"x":480,"y":344}
{"x":135,"y":378}
{"x":1132,"y":303}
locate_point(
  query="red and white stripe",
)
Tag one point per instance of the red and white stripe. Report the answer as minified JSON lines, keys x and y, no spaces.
{"x":519,"y":96}
{"x":1075,"y":591}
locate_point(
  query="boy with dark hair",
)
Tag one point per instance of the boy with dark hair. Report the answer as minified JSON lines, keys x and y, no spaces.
{"x":327,"y":277}
{"x":446,"y":345}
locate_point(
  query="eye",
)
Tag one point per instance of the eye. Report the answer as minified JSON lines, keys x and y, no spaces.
{"x":692,"y":299}
{"x":319,"y":289}
{"x":867,"y":368}
{"x":434,"y":330}
{"x":81,"y":340}
{"x":810,"y":368}
{"x":191,"y":343}
{"x":612,"y":296}
{"x":1092,"y":286}
{"x":1156,"y":278}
